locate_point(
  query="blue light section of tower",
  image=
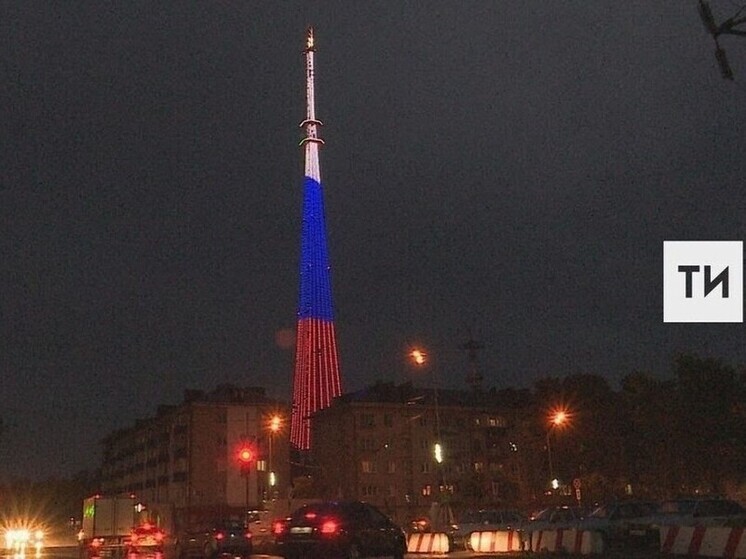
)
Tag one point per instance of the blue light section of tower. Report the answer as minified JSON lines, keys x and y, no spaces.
{"x":315,"y":277}
{"x":316,"y":380}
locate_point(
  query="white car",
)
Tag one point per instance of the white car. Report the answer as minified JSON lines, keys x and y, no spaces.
{"x":485,"y":520}
{"x":552,"y":518}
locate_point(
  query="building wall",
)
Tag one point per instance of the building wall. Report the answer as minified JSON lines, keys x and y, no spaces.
{"x":187,"y":455}
{"x":383,"y":453}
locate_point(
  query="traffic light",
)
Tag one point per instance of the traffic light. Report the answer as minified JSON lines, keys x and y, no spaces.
{"x":246,"y":457}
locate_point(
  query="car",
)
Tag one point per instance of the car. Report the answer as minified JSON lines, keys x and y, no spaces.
{"x":338,"y":529}
{"x":699,"y":511}
{"x":482,"y":520}
{"x":623,"y":523}
{"x":145,"y":538}
{"x":229,"y":537}
{"x":561,"y":517}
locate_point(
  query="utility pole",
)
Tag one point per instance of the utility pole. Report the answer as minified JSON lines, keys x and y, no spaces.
{"x":727,"y":27}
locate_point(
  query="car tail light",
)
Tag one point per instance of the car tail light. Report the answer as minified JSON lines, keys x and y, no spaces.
{"x":96,"y":542}
{"x":329,"y":527}
{"x":133,"y":537}
{"x":159,"y":536}
{"x":278,"y":527}
{"x":248,"y":535}
{"x":219,"y":536}
{"x":310,"y":515}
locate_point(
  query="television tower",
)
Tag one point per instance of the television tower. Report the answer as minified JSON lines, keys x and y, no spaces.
{"x":316,"y":380}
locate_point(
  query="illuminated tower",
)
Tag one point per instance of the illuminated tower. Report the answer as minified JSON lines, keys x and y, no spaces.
{"x":316,"y":380}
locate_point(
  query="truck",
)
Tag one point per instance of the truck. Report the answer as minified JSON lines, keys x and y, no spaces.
{"x":108,"y":523}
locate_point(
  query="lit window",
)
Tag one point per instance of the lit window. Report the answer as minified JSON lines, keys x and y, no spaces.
{"x":391,"y":467}
{"x":368,"y":467}
{"x":427,"y":490}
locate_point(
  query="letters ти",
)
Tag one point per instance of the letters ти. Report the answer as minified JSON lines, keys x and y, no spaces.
{"x":710,"y":284}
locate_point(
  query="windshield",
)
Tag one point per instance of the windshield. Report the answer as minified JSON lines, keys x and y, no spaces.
{"x":676,"y":507}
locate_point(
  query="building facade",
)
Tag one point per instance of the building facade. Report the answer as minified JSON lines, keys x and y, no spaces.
{"x":378,"y":445}
{"x":187,"y":454}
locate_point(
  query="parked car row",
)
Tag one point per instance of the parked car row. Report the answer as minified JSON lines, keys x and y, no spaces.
{"x":621,"y":524}
{"x":355,"y":530}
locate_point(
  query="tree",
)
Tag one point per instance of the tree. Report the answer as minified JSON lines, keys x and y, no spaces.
{"x":710,"y":423}
{"x":650,"y":447}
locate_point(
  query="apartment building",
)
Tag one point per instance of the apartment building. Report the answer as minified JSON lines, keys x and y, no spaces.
{"x":379,"y":445}
{"x":188,"y":454}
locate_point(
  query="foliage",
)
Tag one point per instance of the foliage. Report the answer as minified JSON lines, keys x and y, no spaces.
{"x":653,"y":438}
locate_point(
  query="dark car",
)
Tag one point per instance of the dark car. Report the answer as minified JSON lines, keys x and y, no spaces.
{"x":623,"y":523}
{"x":225,"y":538}
{"x":700,"y":511}
{"x":339,"y":529}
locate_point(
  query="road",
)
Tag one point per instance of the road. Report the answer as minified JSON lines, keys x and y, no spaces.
{"x":72,"y":553}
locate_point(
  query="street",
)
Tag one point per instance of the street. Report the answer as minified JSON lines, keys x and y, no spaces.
{"x":73,"y":553}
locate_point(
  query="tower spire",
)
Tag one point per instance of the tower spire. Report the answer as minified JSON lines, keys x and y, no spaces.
{"x":316,"y":380}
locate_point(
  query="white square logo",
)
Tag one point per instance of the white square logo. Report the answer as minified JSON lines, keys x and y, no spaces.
{"x":702,"y":281}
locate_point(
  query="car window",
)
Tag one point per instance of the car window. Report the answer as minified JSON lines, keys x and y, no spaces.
{"x":676,"y":507}
{"x":512,"y":517}
{"x":230,"y":525}
{"x":543,"y":515}
{"x":632,"y":510}
{"x":377,"y":517}
{"x":491,"y":517}
{"x":716,"y":508}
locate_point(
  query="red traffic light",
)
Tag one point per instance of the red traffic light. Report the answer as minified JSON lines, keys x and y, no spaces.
{"x":246,"y":455}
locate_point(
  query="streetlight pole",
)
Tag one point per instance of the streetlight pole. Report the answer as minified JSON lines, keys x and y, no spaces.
{"x":557,"y":418}
{"x":420,"y":358}
{"x":549,"y":456}
{"x":275,"y":424}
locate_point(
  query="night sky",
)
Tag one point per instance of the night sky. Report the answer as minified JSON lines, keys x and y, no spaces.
{"x":502,"y":170}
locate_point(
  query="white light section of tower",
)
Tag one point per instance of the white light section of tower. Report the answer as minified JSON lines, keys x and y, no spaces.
{"x":311,"y":124}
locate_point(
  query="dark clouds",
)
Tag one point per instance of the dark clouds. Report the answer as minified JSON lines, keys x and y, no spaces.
{"x":509,"y":169}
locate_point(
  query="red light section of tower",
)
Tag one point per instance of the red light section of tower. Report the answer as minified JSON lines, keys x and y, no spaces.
{"x":317,"y":379}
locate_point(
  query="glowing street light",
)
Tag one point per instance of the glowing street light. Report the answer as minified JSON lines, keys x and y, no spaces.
{"x":557,"y":419}
{"x":420,"y":358}
{"x":275,"y":425}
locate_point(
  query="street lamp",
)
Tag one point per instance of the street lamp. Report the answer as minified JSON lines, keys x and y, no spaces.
{"x":420,"y":358}
{"x":275,"y":425}
{"x":557,"y":419}
{"x":445,"y":514}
